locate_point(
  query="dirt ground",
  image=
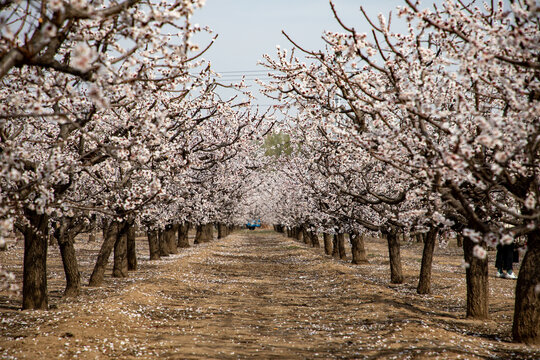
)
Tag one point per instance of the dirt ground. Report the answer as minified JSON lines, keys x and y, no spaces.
{"x":260,"y":295}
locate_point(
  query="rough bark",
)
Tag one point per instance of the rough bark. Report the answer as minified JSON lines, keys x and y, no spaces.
{"x":526,"y":326}
{"x":163,"y":244}
{"x":335,"y":247}
{"x":424,"y":282}
{"x":477,"y":282}
{"x":341,"y":246}
{"x":459,"y":240}
{"x":131,"y":247}
{"x":120,"y":265}
{"x":396,"y":271}
{"x":222,"y":230}
{"x":358,"y":249}
{"x":109,"y":240}
{"x":171,"y":238}
{"x":65,"y":235}
{"x":314,"y":239}
{"x":327,"y":238}
{"x":35,"y":261}
{"x":305,"y":235}
{"x":104,"y":227}
{"x":205,"y":233}
{"x":153,"y":244}
{"x":298,"y":234}
{"x":183,"y":239}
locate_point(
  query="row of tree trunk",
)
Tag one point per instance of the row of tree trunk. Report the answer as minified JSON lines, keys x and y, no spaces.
{"x":118,"y":236}
{"x":334,"y":245}
{"x":526,"y":324}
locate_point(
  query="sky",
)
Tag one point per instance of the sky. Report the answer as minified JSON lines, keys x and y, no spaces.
{"x":248,"y":29}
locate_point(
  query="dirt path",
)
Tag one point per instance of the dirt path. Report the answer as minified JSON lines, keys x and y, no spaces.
{"x":251,"y":295}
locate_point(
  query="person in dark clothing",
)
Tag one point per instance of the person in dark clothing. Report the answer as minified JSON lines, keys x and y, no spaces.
{"x":504,"y":260}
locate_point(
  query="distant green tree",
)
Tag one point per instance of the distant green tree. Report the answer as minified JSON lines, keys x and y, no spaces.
{"x":277,"y":144}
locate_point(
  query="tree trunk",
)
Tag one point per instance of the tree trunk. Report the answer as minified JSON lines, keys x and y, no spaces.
{"x":314,"y":239}
{"x":327,"y":238}
{"x":52,"y":240}
{"x":459,"y":239}
{"x":131,"y":247}
{"x":477,"y":282}
{"x":222,"y":230}
{"x":526,"y":326}
{"x":120,"y":266}
{"x":396,"y":271}
{"x":93,"y":226}
{"x":305,"y":235}
{"x":163,"y":244}
{"x":153,"y":244}
{"x":341,"y":246}
{"x":335,"y":247}
{"x":104,"y":227}
{"x":298,"y":234}
{"x":171,"y":238}
{"x":205,"y":233}
{"x":35,"y":261}
{"x":424,"y":282}
{"x":109,"y":240}
{"x":69,"y":260}
{"x":183,"y":239}
{"x":358,"y":249}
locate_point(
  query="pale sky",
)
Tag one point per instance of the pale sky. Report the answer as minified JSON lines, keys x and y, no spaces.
{"x":249,"y":28}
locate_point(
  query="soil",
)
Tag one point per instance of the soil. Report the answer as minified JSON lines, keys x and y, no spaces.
{"x":258,"y":294}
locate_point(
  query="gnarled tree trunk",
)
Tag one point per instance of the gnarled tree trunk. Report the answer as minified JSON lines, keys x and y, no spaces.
{"x":526,"y":326}
{"x":335,"y":247}
{"x":358,"y":249}
{"x":35,"y":261}
{"x":65,"y":235}
{"x":305,"y":235}
{"x":396,"y":271}
{"x":153,"y":244}
{"x":341,"y":246}
{"x":314,"y":239}
{"x":163,"y":244}
{"x":131,"y":247}
{"x":205,"y":233}
{"x":183,"y":239}
{"x":298,"y":233}
{"x":120,"y":266}
{"x":476,"y":274}
{"x":424,"y":282}
{"x":98,"y":274}
{"x":222,"y":230}
{"x":327,"y":238}
{"x":459,"y":240}
{"x":171,"y":238}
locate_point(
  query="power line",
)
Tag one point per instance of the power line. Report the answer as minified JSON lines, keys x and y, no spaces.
{"x":245,"y":71}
